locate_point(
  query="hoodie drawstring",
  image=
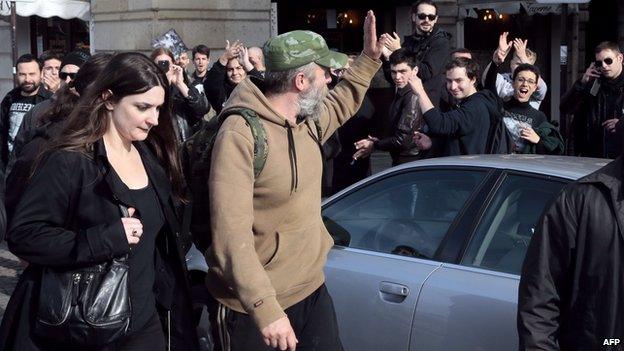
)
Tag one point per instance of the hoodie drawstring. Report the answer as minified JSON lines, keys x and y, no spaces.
{"x":292,"y":155}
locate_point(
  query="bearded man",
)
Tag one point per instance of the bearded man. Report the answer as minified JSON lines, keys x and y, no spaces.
{"x":18,"y":101}
{"x":269,"y":244}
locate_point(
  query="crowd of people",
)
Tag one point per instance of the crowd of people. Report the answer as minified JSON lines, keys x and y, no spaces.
{"x":92,"y":148}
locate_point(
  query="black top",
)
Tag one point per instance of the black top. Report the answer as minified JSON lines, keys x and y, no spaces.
{"x":519,"y":115}
{"x":141,"y":258}
{"x":465,"y":128}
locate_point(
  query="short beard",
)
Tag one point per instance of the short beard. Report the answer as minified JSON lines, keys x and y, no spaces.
{"x":310,"y":101}
{"x":28,"y":91}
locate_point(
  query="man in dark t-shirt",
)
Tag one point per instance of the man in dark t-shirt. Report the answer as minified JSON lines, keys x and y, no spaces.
{"x":18,"y":101}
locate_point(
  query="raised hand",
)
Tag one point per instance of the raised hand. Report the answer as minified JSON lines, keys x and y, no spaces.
{"x":520,"y":47}
{"x":231,"y":51}
{"x":503,"y":49}
{"x":243,"y":56}
{"x":394,"y":42}
{"x":372,"y":46}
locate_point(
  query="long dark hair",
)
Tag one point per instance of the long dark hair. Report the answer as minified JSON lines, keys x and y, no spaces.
{"x":65,"y":99}
{"x":126,"y":74}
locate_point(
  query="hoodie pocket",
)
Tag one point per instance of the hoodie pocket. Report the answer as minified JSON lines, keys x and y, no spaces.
{"x":293,"y":248}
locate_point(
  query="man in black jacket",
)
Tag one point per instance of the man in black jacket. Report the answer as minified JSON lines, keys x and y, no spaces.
{"x":466,"y":128}
{"x":429,"y":45}
{"x":403,"y":118}
{"x":597,"y":102}
{"x":572,"y":283}
{"x":18,"y":101}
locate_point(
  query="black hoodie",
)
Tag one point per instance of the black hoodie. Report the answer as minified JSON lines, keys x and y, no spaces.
{"x":465,"y":128}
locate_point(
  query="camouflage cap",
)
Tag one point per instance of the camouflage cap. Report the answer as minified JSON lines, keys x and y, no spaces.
{"x":298,"y":48}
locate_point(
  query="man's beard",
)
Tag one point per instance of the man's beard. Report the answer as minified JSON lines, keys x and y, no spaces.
{"x":310,"y":101}
{"x":28,"y":87}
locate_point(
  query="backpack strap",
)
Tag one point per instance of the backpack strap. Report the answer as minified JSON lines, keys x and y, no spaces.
{"x":261,"y":146}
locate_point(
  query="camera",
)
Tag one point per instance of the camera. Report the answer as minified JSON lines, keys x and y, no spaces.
{"x":164,"y":65}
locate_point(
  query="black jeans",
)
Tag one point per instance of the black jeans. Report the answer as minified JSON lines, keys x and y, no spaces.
{"x":313,"y":319}
{"x":150,"y":338}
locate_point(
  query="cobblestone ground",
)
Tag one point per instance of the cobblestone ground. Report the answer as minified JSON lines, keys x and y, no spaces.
{"x":9,"y":270}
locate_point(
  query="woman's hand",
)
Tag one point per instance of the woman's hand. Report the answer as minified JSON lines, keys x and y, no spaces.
{"x":132,"y":227}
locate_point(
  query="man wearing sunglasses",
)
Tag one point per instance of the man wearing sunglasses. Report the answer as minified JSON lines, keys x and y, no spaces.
{"x":597,"y":102}
{"x":428,"y":44}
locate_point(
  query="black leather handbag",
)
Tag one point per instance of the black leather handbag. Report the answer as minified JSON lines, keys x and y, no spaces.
{"x":88,"y":306}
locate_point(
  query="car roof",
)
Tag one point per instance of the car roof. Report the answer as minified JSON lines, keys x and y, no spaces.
{"x":558,"y":166}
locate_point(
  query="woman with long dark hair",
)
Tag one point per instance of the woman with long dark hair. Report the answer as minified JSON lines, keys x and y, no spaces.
{"x":117,"y":149}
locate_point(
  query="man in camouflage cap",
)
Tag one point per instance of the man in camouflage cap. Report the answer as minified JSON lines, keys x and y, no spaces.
{"x":269,"y":244}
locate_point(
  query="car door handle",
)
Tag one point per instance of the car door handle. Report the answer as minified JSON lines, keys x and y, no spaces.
{"x":394,"y":289}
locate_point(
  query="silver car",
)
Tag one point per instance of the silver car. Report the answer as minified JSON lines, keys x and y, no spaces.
{"x":428,"y":254}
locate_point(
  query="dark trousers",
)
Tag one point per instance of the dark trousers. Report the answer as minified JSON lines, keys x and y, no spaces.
{"x":313,"y":319}
{"x":150,"y":338}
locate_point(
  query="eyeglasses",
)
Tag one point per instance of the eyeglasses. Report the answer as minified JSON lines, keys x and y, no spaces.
{"x":64,"y":75}
{"x":422,"y":16}
{"x":522,"y":80}
{"x":608,"y":61}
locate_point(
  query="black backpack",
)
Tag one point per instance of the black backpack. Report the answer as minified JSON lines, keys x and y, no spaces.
{"x":196,"y":159}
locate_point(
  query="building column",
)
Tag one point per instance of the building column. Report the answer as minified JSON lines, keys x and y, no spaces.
{"x":555,"y":66}
{"x":130,"y":25}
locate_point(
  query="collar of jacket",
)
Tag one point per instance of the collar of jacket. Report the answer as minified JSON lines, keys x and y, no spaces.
{"x":403,"y":91}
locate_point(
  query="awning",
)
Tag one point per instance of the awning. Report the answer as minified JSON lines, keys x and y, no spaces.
{"x":468,"y":8}
{"x":65,"y":9}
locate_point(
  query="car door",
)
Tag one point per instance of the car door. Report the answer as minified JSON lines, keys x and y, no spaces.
{"x":471,"y":306}
{"x":387,"y":233}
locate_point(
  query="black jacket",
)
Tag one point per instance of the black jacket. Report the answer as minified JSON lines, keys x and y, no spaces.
{"x":360,"y":126}
{"x":590,"y":137}
{"x":68,"y":216}
{"x":42,"y":94}
{"x":572,"y":284}
{"x":432,"y":52}
{"x":466,"y":128}
{"x":403,"y":118}
{"x":188,"y":111}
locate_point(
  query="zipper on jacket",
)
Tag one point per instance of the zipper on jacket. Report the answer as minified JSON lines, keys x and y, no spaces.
{"x":75,"y":288}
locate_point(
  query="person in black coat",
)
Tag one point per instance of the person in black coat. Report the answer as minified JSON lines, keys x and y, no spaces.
{"x":429,"y":45}
{"x":572,"y":283}
{"x":117,"y":149}
{"x":465,"y":129}
{"x":189,"y":105}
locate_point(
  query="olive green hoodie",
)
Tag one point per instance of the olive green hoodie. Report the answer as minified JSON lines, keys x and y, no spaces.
{"x":269,"y":241}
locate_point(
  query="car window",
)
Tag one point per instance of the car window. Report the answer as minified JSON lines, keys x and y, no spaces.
{"x":404,"y":214}
{"x":503,"y":235}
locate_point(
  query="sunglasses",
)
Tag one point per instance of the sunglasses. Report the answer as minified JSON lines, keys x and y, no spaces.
{"x":422,"y":16}
{"x":608,"y":61}
{"x":64,"y":75}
